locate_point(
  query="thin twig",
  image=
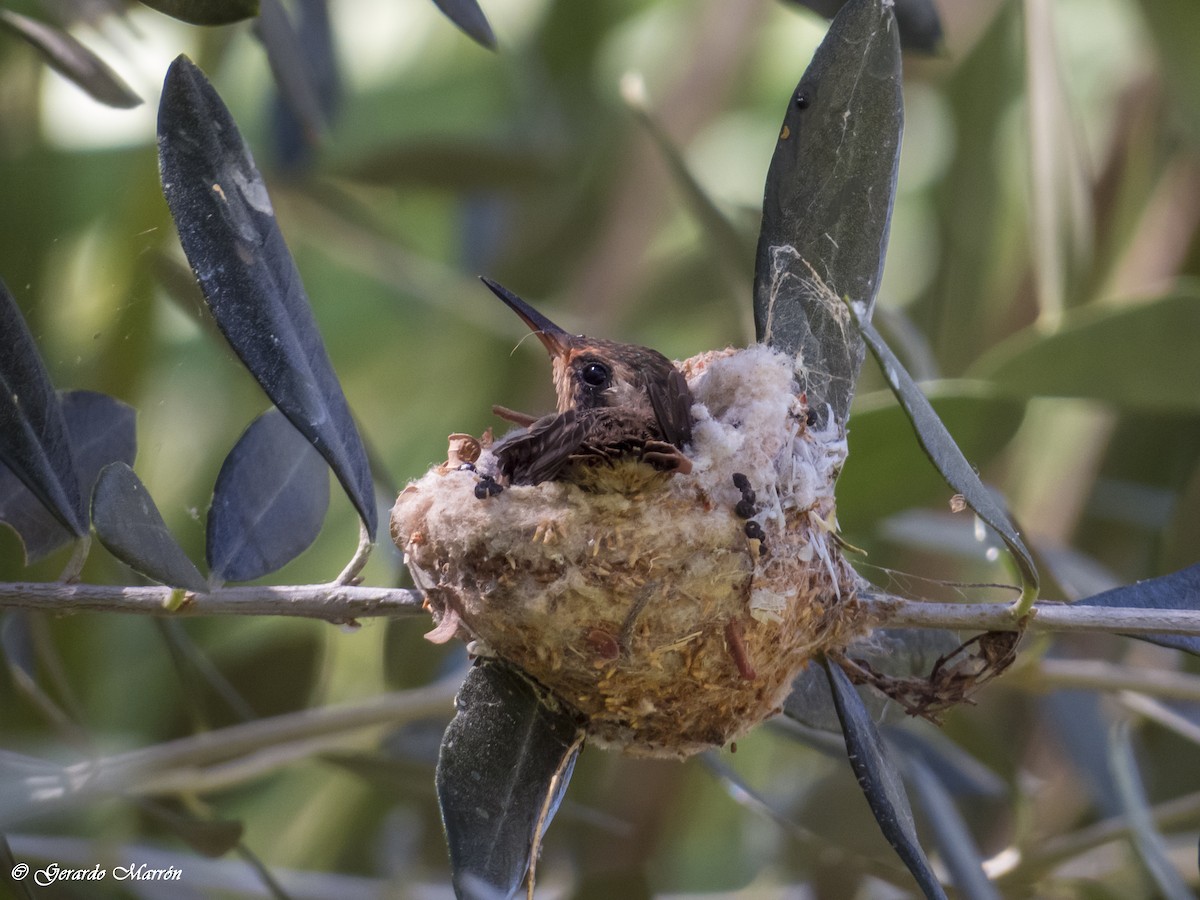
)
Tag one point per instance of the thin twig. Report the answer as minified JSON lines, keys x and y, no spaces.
{"x":234,"y":754}
{"x":895,"y":612}
{"x":332,"y":603}
{"x":1097,"y":675}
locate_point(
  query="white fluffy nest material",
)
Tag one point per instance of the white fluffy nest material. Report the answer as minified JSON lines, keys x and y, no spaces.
{"x":652,"y":613}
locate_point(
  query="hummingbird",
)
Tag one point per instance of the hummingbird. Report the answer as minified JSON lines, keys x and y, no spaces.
{"x":624,"y":414}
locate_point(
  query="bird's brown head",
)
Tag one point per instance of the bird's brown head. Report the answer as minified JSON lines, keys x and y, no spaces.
{"x":590,"y":372}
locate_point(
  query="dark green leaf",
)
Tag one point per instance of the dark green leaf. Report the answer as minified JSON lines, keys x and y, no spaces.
{"x":229,"y":233}
{"x":892,"y":651}
{"x":880,"y":780}
{"x":888,"y":472}
{"x":505,"y":760}
{"x":828,"y":202}
{"x":16,"y":642}
{"x":34,"y":441}
{"x":468,"y":16}
{"x":1179,"y":590}
{"x":1078,"y":723}
{"x":1149,"y":843}
{"x":1172,"y":25}
{"x":957,"y":770}
{"x":293,"y":68}
{"x":731,"y":245}
{"x":308,"y":86}
{"x":939,"y":446}
{"x":742,"y":793}
{"x":131,"y":528}
{"x":269,"y":501}
{"x":73,"y":61}
{"x":920,"y":26}
{"x":101,"y":431}
{"x":1140,"y":357}
{"x":958,"y":849}
{"x":206,"y":12}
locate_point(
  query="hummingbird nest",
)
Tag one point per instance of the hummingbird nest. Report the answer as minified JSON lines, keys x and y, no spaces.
{"x":672,"y":615}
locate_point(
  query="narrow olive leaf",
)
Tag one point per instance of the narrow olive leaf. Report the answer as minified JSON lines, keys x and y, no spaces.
{"x":1062,"y":222}
{"x":73,"y":61}
{"x":1139,"y":357}
{"x":249,"y":279}
{"x":944,"y":453}
{"x":1078,"y":722}
{"x":1179,"y":590}
{"x":131,"y":529}
{"x":22,"y":651}
{"x":293,"y":69}
{"x":302,"y":112}
{"x":920,"y":26}
{"x":505,"y":759}
{"x":101,"y":430}
{"x":828,"y":203}
{"x":732,"y":246}
{"x":959,"y":852}
{"x":1149,"y":843}
{"x":269,"y":501}
{"x":744,"y":795}
{"x":16,"y":643}
{"x":206,"y":12}
{"x":958,"y":772}
{"x":469,"y":17}
{"x":34,"y":442}
{"x":880,"y":779}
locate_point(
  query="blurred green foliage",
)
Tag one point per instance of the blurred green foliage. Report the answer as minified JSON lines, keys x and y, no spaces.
{"x":1042,"y":269}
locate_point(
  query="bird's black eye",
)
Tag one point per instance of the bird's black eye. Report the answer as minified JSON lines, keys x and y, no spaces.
{"x":595,"y":374}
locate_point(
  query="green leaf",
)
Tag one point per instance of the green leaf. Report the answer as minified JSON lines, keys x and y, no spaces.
{"x":130,"y":527}
{"x":1151,"y":848}
{"x":1135,"y":357}
{"x":228,"y":230}
{"x":468,"y":16}
{"x":880,"y":779}
{"x":269,"y":501}
{"x":1173,"y":26}
{"x":505,"y":761}
{"x":731,"y":245}
{"x":34,"y":442}
{"x":73,"y":61}
{"x":828,"y":202}
{"x":959,"y":851}
{"x":206,"y":12}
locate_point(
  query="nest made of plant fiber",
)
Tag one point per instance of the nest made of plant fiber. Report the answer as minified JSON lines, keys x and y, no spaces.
{"x":672,"y":617}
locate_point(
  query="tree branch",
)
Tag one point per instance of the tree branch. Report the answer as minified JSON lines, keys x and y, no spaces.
{"x":887,"y":611}
{"x":216,"y":759}
{"x":342,"y":603}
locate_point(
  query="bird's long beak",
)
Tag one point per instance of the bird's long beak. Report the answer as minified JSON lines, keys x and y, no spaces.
{"x":556,"y":341}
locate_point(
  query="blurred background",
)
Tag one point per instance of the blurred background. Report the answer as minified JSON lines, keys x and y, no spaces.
{"x":1039,"y":282}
